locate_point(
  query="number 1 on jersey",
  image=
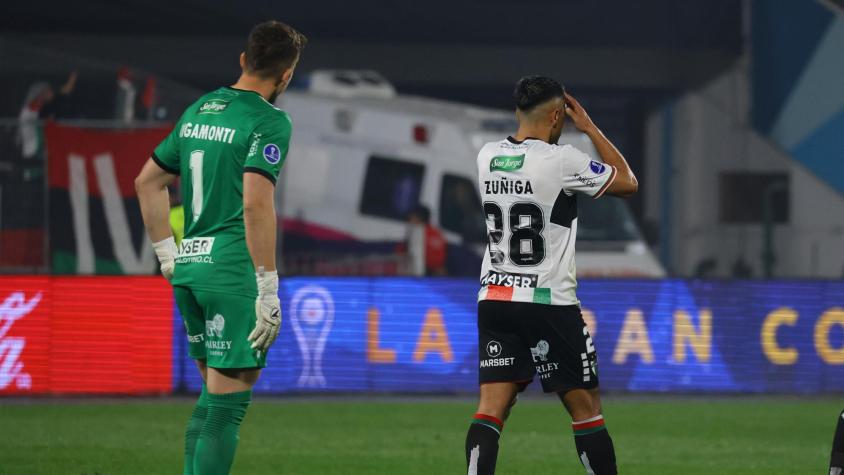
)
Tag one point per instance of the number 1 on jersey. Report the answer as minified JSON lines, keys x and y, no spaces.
{"x":196,"y":182}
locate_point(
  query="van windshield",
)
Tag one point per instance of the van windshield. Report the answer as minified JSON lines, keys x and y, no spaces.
{"x":391,"y":188}
{"x":605,"y":219}
{"x":460,"y":209}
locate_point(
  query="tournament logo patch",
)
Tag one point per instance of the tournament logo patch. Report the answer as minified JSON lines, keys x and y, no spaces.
{"x":493,"y":349}
{"x":272,"y":153}
{"x":597,"y":167}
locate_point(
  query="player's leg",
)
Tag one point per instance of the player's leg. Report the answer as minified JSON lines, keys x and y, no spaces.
{"x":233,"y":369}
{"x":505,"y":370}
{"x":197,"y":419}
{"x":836,"y":461}
{"x":487,"y":424}
{"x":202,"y":366}
{"x":566,"y":362}
{"x":229,"y":397}
{"x":591,"y":438}
{"x":194,"y":320}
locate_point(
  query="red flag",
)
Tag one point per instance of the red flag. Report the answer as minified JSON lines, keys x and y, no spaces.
{"x":150,"y":96}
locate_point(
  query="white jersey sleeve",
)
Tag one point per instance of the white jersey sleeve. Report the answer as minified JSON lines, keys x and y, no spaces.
{"x":584,"y":174}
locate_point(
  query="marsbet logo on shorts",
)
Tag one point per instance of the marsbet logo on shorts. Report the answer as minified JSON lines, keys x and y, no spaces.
{"x":494,"y":350}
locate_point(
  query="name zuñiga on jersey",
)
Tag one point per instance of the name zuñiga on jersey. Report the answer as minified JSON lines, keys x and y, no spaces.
{"x":529,"y":192}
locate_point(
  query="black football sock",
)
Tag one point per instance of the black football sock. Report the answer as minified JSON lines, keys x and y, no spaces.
{"x":594,"y":446}
{"x":836,"y":460}
{"x":482,"y":444}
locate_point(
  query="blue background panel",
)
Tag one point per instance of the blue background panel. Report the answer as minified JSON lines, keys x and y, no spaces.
{"x":419,"y":336}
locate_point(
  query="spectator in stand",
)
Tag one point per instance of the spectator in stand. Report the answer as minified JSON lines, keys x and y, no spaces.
{"x":41,"y":102}
{"x":126,"y":94}
{"x":149,"y":99}
{"x":435,"y":245}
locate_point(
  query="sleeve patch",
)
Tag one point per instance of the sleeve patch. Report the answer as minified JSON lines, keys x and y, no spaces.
{"x":272,"y":154}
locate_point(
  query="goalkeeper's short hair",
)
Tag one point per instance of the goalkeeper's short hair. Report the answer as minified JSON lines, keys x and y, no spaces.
{"x":272,"y":47}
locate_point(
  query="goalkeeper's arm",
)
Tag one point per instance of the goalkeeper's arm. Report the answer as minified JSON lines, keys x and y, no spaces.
{"x":260,"y":222}
{"x":151,"y":187}
{"x":259,"y":219}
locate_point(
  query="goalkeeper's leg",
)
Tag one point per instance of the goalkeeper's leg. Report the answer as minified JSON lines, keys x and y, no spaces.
{"x":196,"y":421}
{"x":233,"y":368}
{"x":229,"y":395}
{"x":194,"y":318}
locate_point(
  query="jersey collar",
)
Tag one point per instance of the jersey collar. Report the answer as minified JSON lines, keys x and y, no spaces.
{"x":518,"y":142}
{"x":244,"y":90}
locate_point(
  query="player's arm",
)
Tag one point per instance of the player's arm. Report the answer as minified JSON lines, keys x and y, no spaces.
{"x":623,"y":182}
{"x":268,"y":150}
{"x":260,"y":220}
{"x":151,"y":187}
{"x":151,"y":184}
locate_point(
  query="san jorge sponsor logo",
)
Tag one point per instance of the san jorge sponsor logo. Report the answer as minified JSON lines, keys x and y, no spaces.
{"x":14,"y":308}
{"x":506,"y":163}
{"x":214,"y":106}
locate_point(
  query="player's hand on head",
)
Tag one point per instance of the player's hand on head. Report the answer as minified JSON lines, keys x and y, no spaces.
{"x":578,"y":114}
{"x":267,"y":312}
{"x":166,"y":252}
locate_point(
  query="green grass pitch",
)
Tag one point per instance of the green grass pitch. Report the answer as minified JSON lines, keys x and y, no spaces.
{"x":653,"y":436}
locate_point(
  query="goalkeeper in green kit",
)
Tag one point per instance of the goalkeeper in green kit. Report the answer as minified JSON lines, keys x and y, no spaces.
{"x":228,"y":148}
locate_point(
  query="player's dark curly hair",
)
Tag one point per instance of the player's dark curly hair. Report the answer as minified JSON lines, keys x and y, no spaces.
{"x":534,"y":90}
{"x":273,"y":47}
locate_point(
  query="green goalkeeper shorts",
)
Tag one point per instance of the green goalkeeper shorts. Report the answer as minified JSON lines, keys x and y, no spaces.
{"x":217,"y":325}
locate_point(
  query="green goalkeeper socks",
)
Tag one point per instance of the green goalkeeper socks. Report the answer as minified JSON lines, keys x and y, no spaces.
{"x":195,"y":423}
{"x":217,"y":442}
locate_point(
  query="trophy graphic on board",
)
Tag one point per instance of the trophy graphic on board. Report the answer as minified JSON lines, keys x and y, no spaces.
{"x":311,"y":315}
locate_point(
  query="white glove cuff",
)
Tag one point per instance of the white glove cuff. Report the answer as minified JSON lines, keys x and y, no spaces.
{"x":165,"y":249}
{"x":267,"y":281}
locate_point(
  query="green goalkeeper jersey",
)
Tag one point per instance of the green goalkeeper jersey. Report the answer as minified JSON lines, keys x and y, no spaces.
{"x":223,"y":135}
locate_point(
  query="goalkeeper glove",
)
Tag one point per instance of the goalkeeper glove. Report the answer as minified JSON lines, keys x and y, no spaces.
{"x":166,"y":252}
{"x":267,"y":311}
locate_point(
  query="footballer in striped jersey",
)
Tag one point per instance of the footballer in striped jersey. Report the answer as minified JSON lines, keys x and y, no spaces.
{"x":529,"y":320}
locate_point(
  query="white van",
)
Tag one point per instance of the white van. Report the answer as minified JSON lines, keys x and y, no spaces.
{"x":362,"y":157}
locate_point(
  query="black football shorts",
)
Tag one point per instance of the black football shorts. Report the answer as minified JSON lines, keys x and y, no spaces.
{"x":518,"y":340}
